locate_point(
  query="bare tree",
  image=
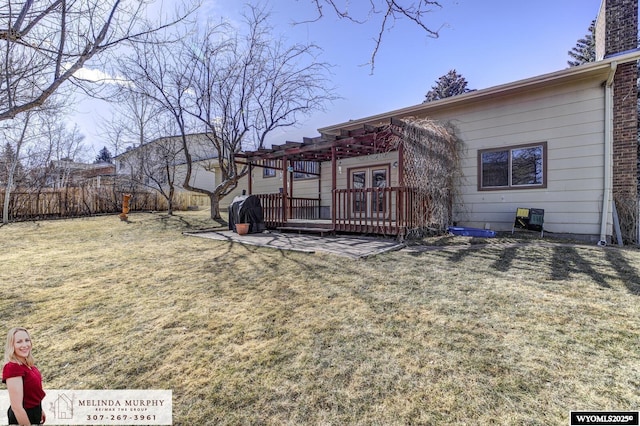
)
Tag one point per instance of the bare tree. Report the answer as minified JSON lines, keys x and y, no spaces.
{"x":235,"y":89}
{"x":155,"y":165}
{"x":37,"y":140}
{"x":386,"y":12}
{"x":115,"y":135}
{"x":136,"y":120}
{"x":50,"y":161}
{"x":43,"y":43}
{"x":153,"y":155}
{"x":248,"y":89}
{"x":156,"y":73}
{"x":17,"y":135}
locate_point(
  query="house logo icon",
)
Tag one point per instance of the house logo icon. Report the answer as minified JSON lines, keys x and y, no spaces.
{"x":62,"y":407}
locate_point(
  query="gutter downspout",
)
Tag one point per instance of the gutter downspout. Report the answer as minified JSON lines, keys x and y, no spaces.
{"x":608,"y":150}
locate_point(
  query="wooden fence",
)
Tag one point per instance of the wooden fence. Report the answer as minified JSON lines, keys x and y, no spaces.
{"x":83,"y":201}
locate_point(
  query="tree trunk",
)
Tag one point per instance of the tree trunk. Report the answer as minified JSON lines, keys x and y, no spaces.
{"x":7,"y":190}
{"x":215,"y":206}
{"x":5,"y":207}
{"x":170,"y":199}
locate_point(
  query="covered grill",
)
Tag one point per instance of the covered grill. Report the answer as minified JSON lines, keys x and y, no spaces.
{"x":246,"y":209}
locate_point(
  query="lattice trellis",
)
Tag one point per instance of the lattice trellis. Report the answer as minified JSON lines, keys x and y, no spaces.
{"x":431,"y":159}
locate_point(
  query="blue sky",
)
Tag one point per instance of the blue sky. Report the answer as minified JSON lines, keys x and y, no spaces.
{"x":489,"y":42}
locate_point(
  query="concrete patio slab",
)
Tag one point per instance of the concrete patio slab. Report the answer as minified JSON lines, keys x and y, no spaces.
{"x":342,"y":245}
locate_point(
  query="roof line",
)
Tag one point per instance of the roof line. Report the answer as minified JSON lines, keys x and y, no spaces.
{"x":628,"y":56}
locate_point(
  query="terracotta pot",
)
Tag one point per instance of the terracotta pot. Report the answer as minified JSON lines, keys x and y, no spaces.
{"x":242,"y":228}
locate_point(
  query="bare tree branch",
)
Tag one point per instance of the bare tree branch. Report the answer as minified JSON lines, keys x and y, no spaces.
{"x":45,"y":42}
{"x":234,"y":88}
{"x":390,"y":12}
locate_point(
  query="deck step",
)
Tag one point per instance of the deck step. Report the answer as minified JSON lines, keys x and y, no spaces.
{"x":299,"y":229}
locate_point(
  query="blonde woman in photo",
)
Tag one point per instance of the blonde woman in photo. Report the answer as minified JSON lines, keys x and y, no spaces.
{"x":23,"y":379}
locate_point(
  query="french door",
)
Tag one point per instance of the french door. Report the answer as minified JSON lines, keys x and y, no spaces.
{"x":368,"y":199}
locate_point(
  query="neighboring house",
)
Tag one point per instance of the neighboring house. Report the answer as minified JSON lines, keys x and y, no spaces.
{"x":565,"y":142}
{"x":66,"y":173}
{"x":162,"y":161}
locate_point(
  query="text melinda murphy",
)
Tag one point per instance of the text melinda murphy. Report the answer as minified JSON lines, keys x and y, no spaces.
{"x":105,"y":407}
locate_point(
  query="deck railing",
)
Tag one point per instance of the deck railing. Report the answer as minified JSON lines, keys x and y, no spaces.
{"x":304,"y":208}
{"x":297,"y":208}
{"x":272,"y":209}
{"x":385,"y":211}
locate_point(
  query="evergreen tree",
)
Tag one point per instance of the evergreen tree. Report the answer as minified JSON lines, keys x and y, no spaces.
{"x":104,"y":156}
{"x":585,"y":49}
{"x":450,"y":84}
{"x":7,"y":157}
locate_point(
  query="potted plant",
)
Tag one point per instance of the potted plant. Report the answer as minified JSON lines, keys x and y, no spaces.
{"x":242,"y":228}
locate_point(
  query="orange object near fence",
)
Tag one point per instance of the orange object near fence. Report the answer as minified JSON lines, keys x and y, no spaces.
{"x":125,"y":206}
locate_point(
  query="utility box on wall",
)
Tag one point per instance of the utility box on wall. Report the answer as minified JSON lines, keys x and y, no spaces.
{"x":529,"y":219}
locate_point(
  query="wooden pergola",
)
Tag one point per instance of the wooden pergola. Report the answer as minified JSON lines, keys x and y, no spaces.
{"x":286,"y":212}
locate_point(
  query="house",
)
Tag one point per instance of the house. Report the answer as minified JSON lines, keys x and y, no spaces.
{"x":565,"y":142}
{"x":162,"y":161}
{"x":65,"y":173}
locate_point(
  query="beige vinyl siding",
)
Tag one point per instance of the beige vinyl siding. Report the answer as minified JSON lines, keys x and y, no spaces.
{"x":565,"y":113}
{"x":565,"y":109}
{"x":570,"y":119}
{"x":314,"y":188}
{"x":200,"y":177}
{"x":325,"y":189}
{"x":306,"y":188}
{"x":226,"y":200}
{"x":370,"y":161}
{"x":264,"y":185}
{"x":309,"y":187}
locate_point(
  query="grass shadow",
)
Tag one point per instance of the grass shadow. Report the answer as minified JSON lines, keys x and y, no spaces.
{"x":461,"y":254}
{"x":627,"y":273}
{"x":566,"y":261}
{"x":505,"y":261}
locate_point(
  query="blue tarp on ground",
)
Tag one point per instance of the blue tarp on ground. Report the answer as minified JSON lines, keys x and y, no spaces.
{"x":471,"y":232}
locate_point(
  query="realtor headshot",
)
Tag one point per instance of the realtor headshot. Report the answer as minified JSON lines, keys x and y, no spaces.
{"x":23,"y":380}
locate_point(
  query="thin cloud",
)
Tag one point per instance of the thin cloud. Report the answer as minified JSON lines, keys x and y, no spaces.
{"x":99,"y":76}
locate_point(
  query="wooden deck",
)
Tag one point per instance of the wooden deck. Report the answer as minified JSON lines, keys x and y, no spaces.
{"x":308,"y":226}
{"x":378,"y":211}
{"x":324,"y":227}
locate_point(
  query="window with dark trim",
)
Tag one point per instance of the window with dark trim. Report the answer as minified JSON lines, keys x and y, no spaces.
{"x":513,"y":167}
{"x":269,"y":169}
{"x":305,"y":169}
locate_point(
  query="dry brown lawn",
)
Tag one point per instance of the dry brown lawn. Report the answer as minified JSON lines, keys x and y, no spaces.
{"x":244,"y":335}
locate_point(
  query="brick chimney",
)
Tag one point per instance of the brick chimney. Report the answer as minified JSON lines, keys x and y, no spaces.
{"x":617,"y":32}
{"x":621,"y":36}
